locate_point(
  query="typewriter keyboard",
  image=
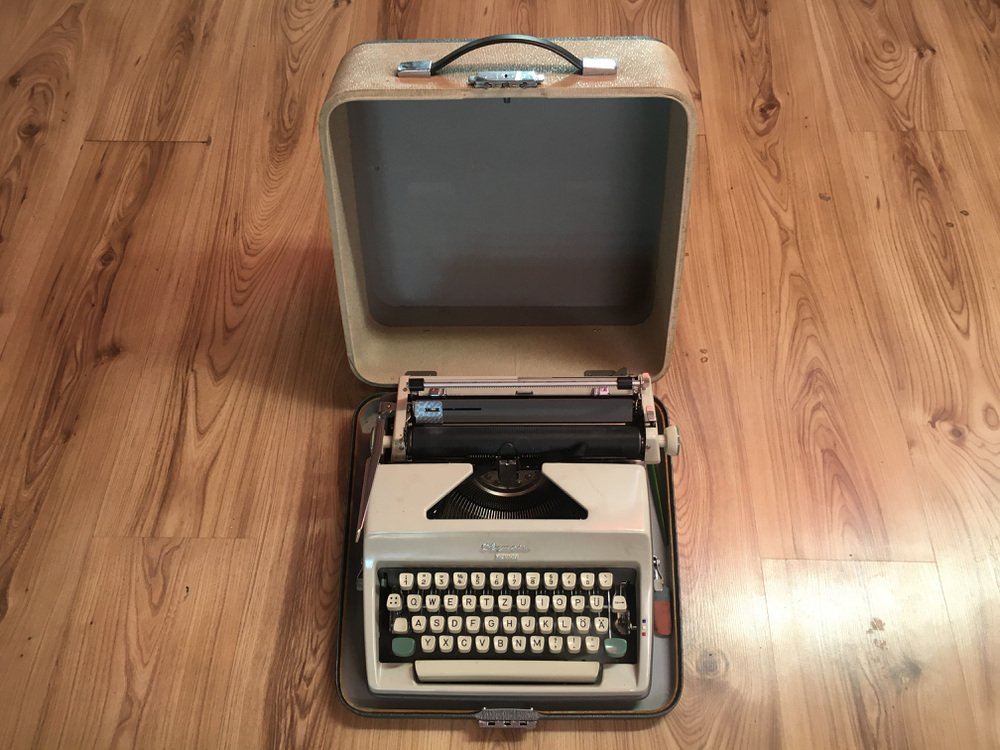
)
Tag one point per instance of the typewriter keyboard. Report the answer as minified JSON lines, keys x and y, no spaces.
{"x":525,"y":625}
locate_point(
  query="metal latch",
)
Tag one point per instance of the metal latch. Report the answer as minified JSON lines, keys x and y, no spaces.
{"x":508,"y":718}
{"x":506,"y":79}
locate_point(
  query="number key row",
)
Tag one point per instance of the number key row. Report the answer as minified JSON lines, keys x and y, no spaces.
{"x":512,"y":580}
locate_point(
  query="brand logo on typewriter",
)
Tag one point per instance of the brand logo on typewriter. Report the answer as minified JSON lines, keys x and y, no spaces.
{"x":503,"y":551}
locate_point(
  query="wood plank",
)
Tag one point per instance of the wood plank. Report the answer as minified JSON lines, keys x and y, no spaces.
{"x":968,"y":36}
{"x":46,"y":103}
{"x":881,"y":63}
{"x":171,"y":77}
{"x":936,"y":285}
{"x":149,"y":641}
{"x":727,"y":660}
{"x":62,"y":425}
{"x":838,"y":479}
{"x":867,"y":657}
{"x":264,"y":290}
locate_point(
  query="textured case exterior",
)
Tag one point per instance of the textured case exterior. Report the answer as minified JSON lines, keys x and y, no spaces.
{"x":379,"y":354}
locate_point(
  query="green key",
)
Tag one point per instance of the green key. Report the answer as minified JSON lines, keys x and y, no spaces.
{"x":407,"y":647}
{"x":615,"y":647}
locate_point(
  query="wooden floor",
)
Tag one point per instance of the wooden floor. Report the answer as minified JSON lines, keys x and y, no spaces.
{"x":175,"y":398}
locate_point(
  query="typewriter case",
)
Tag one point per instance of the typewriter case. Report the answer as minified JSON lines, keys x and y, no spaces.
{"x":506,"y":232}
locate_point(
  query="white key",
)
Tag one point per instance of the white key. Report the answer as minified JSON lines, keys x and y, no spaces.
{"x":399,"y":626}
{"x":423,"y":581}
{"x":496,"y":580}
{"x":414,"y":602}
{"x":437,"y":624}
{"x":446,"y":643}
{"x":464,"y":644}
{"x":513,"y":581}
{"x":596,"y":603}
{"x":542,"y":603}
{"x":531,"y":580}
{"x":523,"y":603}
{"x":505,"y":602}
{"x":441,"y":582}
{"x":450,"y":603}
{"x":537,"y":643}
{"x":559,"y":602}
{"x":564,"y":625}
{"x":569,"y":581}
{"x":482,"y":643}
{"x":518,"y":644}
{"x":577,"y":603}
{"x":511,"y":671}
{"x":486,"y":603}
{"x":432,"y":602}
{"x":469,"y":602}
{"x":500,"y":644}
{"x":555,"y":644}
{"x":601,"y":625}
{"x":545,"y":625}
{"x":586,"y":581}
{"x":509,"y":624}
{"x":572,"y":644}
{"x":478,"y":580}
{"x":406,"y":581}
{"x":551,"y":580}
{"x":418,"y":623}
{"x":394,"y":602}
{"x":606,"y":580}
{"x":491,"y":624}
{"x":618,"y":604}
{"x":472,"y":624}
{"x":592,"y":643}
{"x":583,"y":625}
{"x":455,"y":624}
{"x":527,"y":624}
{"x":427,"y":643}
{"x":460,"y":581}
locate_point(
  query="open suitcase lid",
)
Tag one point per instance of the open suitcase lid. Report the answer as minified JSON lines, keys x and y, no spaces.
{"x":532,"y":231}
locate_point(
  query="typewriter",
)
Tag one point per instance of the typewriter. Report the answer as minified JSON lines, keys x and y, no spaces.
{"x":506,"y":533}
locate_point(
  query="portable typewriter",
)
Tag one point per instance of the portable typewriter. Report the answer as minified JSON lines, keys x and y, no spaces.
{"x":508,"y":241}
{"x":483,"y":532}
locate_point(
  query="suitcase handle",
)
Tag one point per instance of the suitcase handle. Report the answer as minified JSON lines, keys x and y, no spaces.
{"x":587,"y":66}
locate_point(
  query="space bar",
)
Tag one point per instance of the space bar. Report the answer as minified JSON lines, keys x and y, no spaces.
{"x":492,"y":670}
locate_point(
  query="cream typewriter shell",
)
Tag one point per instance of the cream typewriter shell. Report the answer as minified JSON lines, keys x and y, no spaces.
{"x":616,"y":532}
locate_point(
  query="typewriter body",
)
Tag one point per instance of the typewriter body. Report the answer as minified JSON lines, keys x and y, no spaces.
{"x":507,"y":541}
{"x":508,"y":240}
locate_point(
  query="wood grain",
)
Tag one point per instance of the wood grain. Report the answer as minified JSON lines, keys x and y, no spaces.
{"x":727,"y":650}
{"x":143,"y":602}
{"x":922,"y":196}
{"x":882,"y":63}
{"x":49,"y":73}
{"x":804,"y":377}
{"x":61,"y":439}
{"x":869,"y":659}
{"x":175,"y":399}
{"x":172,"y":73}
